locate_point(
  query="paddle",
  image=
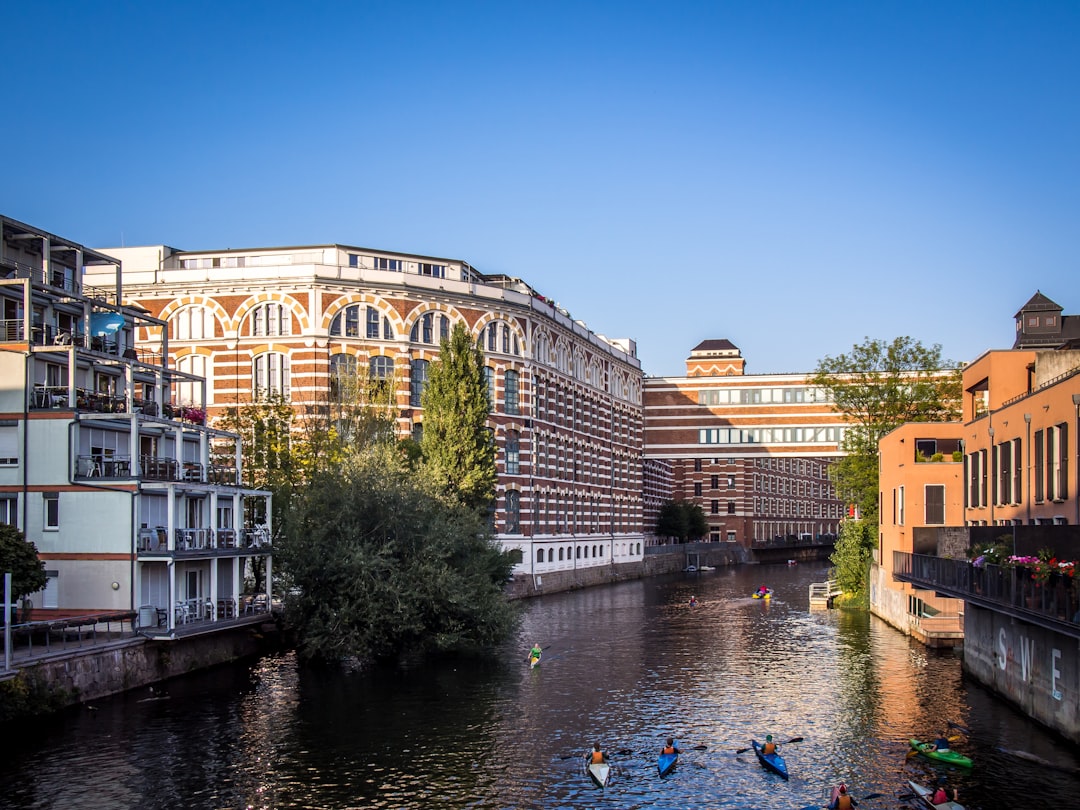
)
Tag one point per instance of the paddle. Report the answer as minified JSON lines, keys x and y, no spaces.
{"x":792,"y":740}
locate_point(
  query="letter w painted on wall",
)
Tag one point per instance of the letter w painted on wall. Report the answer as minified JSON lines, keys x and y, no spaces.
{"x":1027,"y":653}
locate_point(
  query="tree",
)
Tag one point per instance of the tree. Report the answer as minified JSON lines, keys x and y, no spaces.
{"x":380,"y":565}
{"x":19,"y":557}
{"x":457,"y":446}
{"x":878,"y":387}
{"x":682,"y":520}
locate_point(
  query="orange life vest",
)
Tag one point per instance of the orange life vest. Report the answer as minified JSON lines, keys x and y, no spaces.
{"x":668,"y":750}
{"x":597,"y":757}
{"x":768,"y":748}
{"x":843,"y":802}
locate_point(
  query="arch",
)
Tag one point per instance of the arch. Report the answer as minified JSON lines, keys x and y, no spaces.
{"x":335,"y":307}
{"x":512,"y":324}
{"x":294,"y":306}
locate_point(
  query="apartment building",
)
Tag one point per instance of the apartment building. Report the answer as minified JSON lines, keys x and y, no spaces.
{"x":133,"y":502}
{"x":752,"y":450}
{"x":317,"y":323}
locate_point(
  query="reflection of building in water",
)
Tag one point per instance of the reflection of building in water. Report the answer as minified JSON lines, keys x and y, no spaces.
{"x":752,"y":450}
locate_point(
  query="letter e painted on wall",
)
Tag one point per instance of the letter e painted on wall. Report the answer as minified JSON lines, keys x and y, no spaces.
{"x":1055,"y":673}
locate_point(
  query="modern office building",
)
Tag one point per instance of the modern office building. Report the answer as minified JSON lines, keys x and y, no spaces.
{"x":317,"y":323}
{"x":134,"y":502}
{"x":752,"y":450}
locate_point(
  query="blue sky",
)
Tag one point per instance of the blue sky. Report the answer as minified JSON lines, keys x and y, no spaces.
{"x":791,"y":176}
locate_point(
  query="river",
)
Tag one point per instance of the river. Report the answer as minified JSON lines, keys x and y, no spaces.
{"x":626,"y":665}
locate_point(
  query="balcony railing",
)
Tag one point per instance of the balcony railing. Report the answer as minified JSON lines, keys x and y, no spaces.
{"x":96,"y":466}
{"x":1010,"y":589}
{"x":200,"y":539}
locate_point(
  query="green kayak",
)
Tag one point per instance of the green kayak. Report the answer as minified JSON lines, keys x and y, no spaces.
{"x":946,"y":755}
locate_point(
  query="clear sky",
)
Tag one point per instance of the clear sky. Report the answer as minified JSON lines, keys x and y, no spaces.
{"x":791,"y":176}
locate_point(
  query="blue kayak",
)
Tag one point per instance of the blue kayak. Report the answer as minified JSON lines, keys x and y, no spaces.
{"x":771,"y":762}
{"x":665,"y":764}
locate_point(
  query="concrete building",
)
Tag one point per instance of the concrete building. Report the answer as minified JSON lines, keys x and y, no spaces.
{"x":134,"y":503}
{"x":317,"y":323}
{"x":752,"y":450}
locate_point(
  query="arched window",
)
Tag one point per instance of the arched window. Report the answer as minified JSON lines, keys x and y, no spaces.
{"x":268,"y":320}
{"x":539,"y":555}
{"x":512,"y":452}
{"x":417,"y":379}
{"x":560,"y":554}
{"x":342,"y":376}
{"x":194,"y":322}
{"x":186,"y":392}
{"x":347,"y":323}
{"x":510,"y":392}
{"x":513,"y":512}
{"x":418,"y":432}
{"x":270,"y":374}
{"x":423,"y":331}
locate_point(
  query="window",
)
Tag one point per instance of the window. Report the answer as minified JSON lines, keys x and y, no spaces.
{"x":342,"y":377}
{"x":381,"y":368}
{"x":510,"y":394}
{"x":715,"y":507}
{"x":1039,"y":473}
{"x":513,"y":455}
{"x":268,"y":320}
{"x":372,"y":322}
{"x":51,"y":517}
{"x":900,"y":506}
{"x":513,"y":512}
{"x":489,"y":380}
{"x":192,"y":323}
{"x":9,"y":510}
{"x":697,"y":465}
{"x":188,"y":392}
{"x":731,"y":507}
{"x":423,"y":329}
{"x":417,"y":379}
{"x":935,"y":505}
{"x":716,"y":482}
{"x":697,"y":489}
{"x":418,"y":432}
{"x":270,"y":374}
{"x":433,"y":270}
{"x":393,"y":265}
{"x":9,"y":442}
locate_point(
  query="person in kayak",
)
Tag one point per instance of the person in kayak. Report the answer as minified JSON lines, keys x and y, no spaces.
{"x":942,"y":742}
{"x":597,"y":756}
{"x":763,"y":590}
{"x":670,"y":747}
{"x":769,"y":747}
{"x":534,"y":653}
{"x":841,"y":799}
{"x":941,"y":796}
{"x":693,"y":601}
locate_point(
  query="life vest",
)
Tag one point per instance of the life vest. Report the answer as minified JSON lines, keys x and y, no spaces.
{"x":597,"y":757}
{"x":668,"y":749}
{"x":843,"y":802}
{"x":940,"y":796}
{"x":768,"y":748}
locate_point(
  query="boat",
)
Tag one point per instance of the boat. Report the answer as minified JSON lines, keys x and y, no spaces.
{"x":770,"y":762}
{"x":923,"y":794}
{"x":706,"y":568}
{"x":766,"y":595}
{"x":597,"y":771}
{"x":665,"y":764}
{"x":946,"y":756}
{"x":534,"y":662}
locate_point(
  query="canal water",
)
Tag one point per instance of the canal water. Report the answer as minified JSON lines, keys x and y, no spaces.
{"x":625,"y":665}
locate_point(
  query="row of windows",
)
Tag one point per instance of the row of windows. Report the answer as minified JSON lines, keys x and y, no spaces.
{"x":397,"y":265}
{"x":583,"y":412}
{"x":933,"y":503}
{"x":997,"y":476}
{"x":765,"y":435}
{"x":788,"y":508}
{"x":761,"y":396}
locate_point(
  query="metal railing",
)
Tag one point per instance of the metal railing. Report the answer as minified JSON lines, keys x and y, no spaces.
{"x":35,"y":639}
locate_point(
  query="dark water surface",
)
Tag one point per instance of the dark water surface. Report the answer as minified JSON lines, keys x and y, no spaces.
{"x":627,"y":665}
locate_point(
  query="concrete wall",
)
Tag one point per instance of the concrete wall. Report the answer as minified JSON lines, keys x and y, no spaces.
{"x":1036,"y":669}
{"x":129,"y":664}
{"x":887,"y":601}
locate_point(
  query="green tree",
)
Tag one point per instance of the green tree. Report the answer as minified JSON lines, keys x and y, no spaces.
{"x":682,"y":520}
{"x":380,"y":565}
{"x":877,"y":387}
{"x":456,"y":443}
{"x":19,"y":557}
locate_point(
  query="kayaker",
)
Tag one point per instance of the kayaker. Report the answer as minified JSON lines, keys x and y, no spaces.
{"x":841,"y":799}
{"x":534,"y":653}
{"x":763,"y":590}
{"x":941,"y":796}
{"x":693,"y":601}
{"x":597,"y":756}
{"x":769,"y":747}
{"x":670,"y":747}
{"x":942,"y":742}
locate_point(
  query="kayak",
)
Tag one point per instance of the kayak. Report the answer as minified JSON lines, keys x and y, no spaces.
{"x":665,"y":764}
{"x":597,"y":771}
{"x":534,"y":661}
{"x":923,"y":794}
{"x":771,"y":762}
{"x":760,"y":595}
{"x":947,"y":757}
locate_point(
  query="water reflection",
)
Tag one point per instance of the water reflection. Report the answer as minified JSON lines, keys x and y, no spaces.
{"x":627,"y":665}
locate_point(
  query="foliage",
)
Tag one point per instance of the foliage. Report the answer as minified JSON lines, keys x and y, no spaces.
{"x":682,"y":520}
{"x":19,"y":557}
{"x":852,"y":554}
{"x":380,"y":565}
{"x":458,"y":448}
{"x":879,"y":386}
{"x":1041,"y":567}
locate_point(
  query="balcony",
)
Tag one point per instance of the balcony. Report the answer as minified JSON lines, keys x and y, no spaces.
{"x":103,"y":467}
{"x":200,"y":540}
